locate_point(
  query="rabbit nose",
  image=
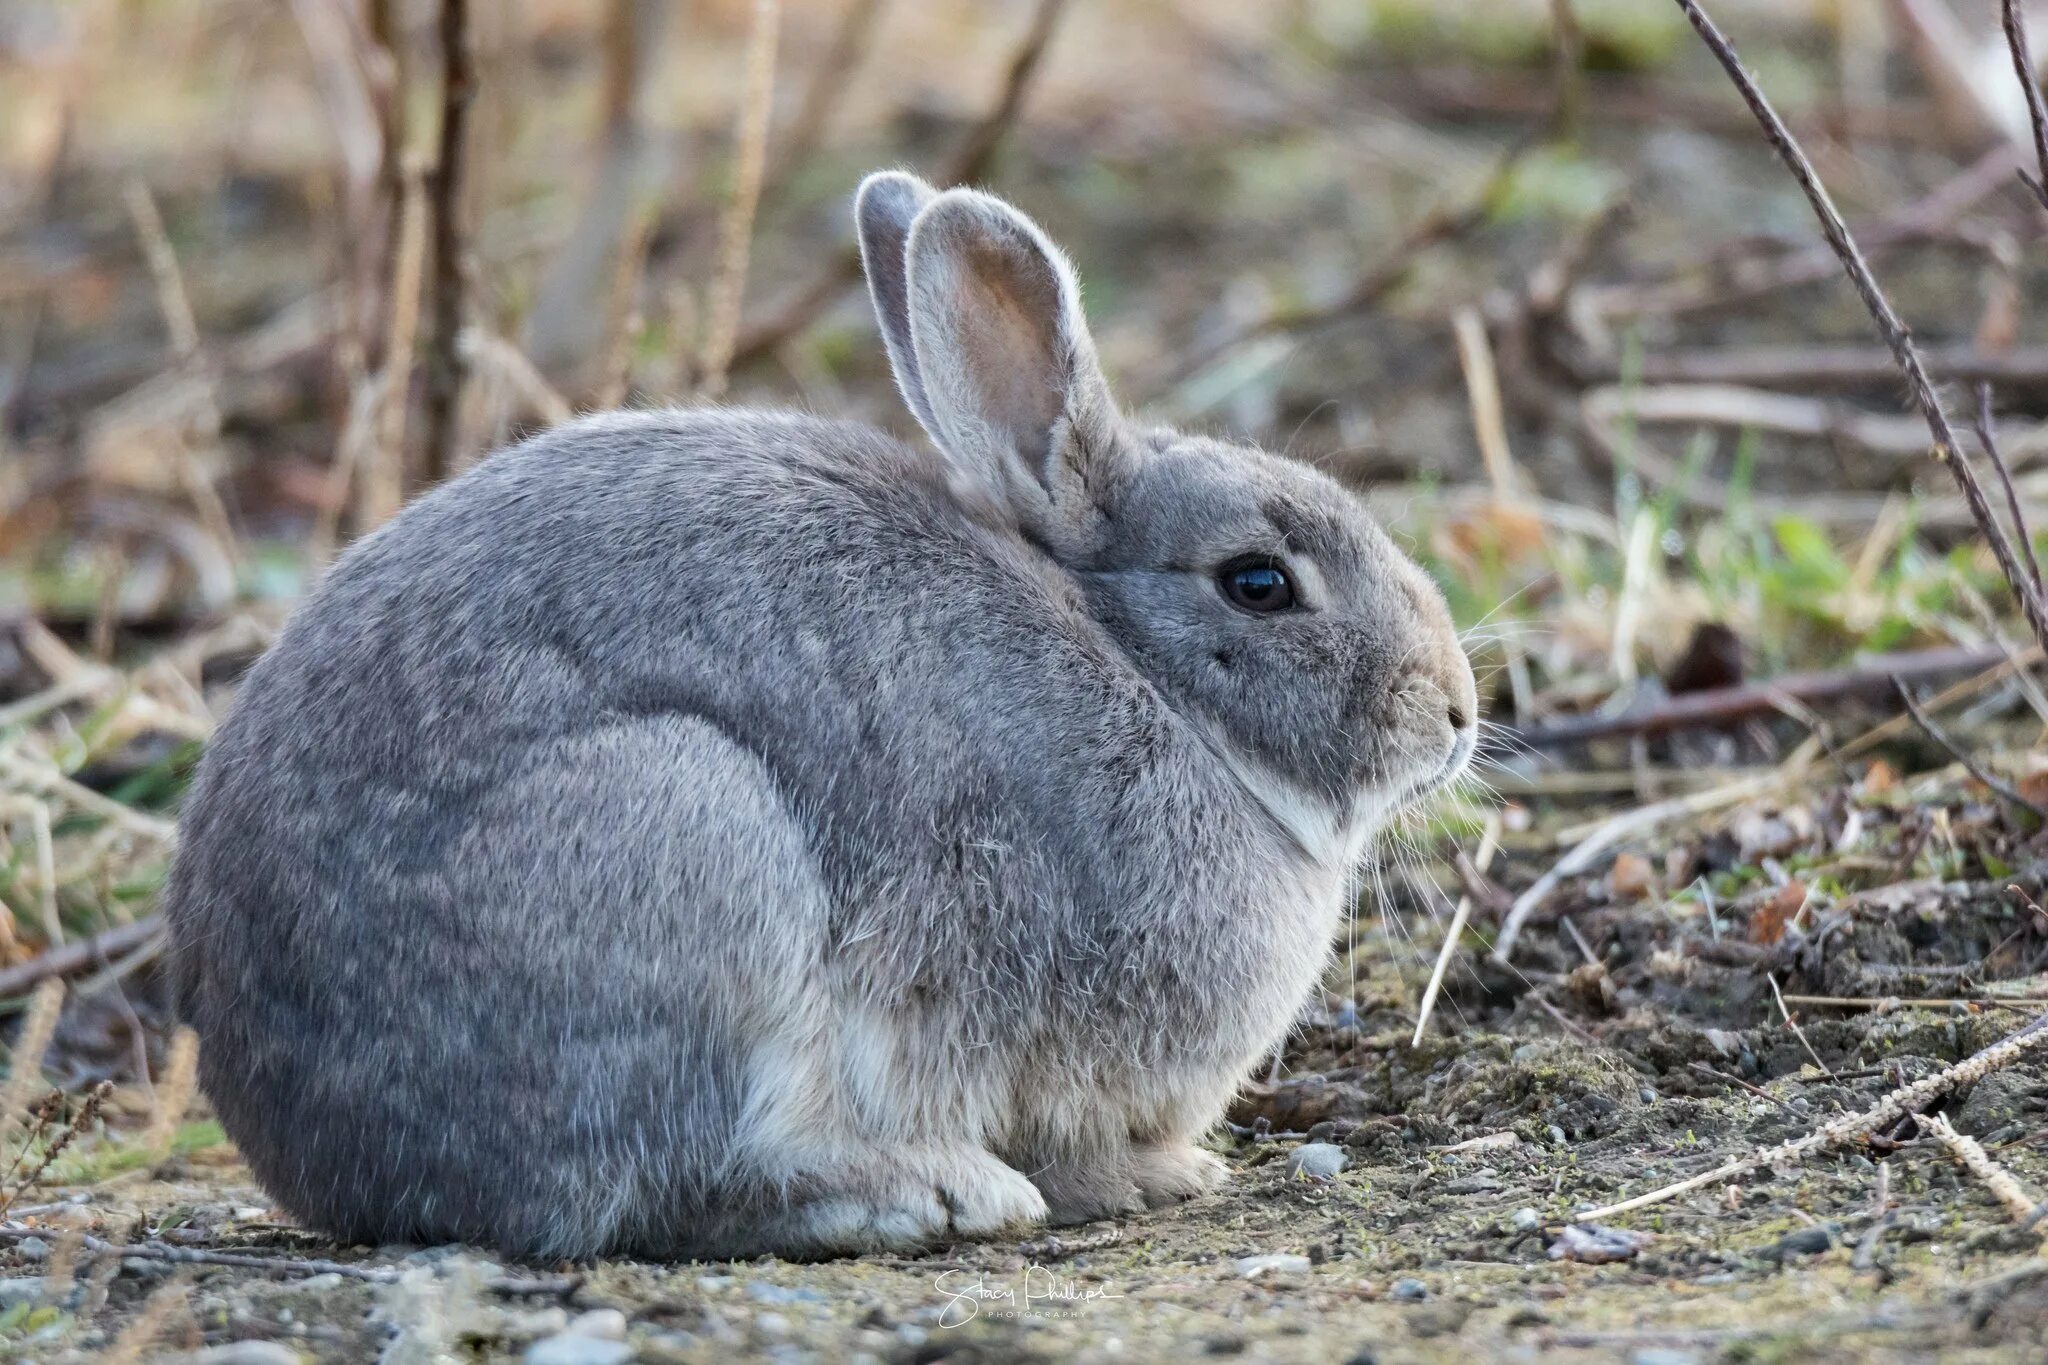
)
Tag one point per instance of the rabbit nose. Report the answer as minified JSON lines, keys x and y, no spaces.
{"x":1459,"y":720}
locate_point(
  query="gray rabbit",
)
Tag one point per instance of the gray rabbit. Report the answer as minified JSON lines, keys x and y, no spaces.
{"x":709,"y":833}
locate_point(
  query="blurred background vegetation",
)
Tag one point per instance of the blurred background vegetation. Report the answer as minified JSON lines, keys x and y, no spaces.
{"x":1522,"y":270}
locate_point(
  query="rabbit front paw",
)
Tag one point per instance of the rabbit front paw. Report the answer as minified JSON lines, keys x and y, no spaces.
{"x":904,"y":1206}
{"x":1173,"y":1173}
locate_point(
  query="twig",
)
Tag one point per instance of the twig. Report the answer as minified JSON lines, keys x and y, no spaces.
{"x":1445,"y":222}
{"x":1613,"y":831}
{"x":2003,"y":790}
{"x":25,"y":1062}
{"x":1793,"y":1024}
{"x":2015,"y":25}
{"x":1905,"y":1100}
{"x":1974,"y":1159}
{"x":173,"y":1093}
{"x":849,"y":44}
{"x":37,"y":778}
{"x":1489,"y":844}
{"x":969,"y":162}
{"x":447,"y":368}
{"x":1805,"y":368}
{"x":288,"y":1265}
{"x":80,"y":1121}
{"x":1987,"y":437}
{"x":736,"y":233}
{"x":1919,"y":387}
{"x":1892,"y":1002}
{"x":1727,"y":705}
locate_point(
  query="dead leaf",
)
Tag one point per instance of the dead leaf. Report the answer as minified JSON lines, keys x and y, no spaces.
{"x":1768,"y":921}
{"x":1631,"y":878}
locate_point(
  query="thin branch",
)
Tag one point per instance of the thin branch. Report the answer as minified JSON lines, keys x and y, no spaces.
{"x":1909,"y":1099}
{"x":2003,"y":790}
{"x":736,"y":233}
{"x":1721,"y":706}
{"x":968,"y":163}
{"x":2015,"y":25}
{"x":78,"y":955}
{"x":849,"y":44}
{"x":289,"y":1265}
{"x":1987,"y":437}
{"x":1489,"y":844}
{"x":448,"y":368}
{"x":1974,"y":1159}
{"x":1895,"y":334}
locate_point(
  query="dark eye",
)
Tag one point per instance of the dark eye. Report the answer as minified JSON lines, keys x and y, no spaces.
{"x":1259,"y":585}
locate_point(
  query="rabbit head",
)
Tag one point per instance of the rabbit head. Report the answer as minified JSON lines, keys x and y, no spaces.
{"x":1257,"y":596}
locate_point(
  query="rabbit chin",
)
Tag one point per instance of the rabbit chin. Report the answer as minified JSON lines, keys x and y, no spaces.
{"x":1335,"y":839}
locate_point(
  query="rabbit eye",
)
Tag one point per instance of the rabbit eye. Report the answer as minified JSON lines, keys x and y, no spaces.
{"x":1257,"y":585}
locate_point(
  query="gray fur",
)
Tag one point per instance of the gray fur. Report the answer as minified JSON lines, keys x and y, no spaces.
{"x":716,"y":832}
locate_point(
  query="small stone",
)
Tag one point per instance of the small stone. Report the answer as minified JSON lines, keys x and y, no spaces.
{"x":1593,"y":1244}
{"x":574,"y":1348}
{"x":321,"y":1284}
{"x":1316,"y":1161}
{"x":1527,"y":1220}
{"x":1662,"y":1355}
{"x":20,"y":1289}
{"x":1364,"y":1355}
{"x":1273,"y":1263}
{"x":1408,"y":1291}
{"x":608,"y":1324}
{"x":240,"y":1353}
{"x":1556,"y":1134}
{"x":761,"y":1291}
{"x":1805,"y":1242}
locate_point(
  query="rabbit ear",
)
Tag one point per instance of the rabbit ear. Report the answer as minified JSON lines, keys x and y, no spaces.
{"x":1016,"y":395}
{"x":888,"y":202}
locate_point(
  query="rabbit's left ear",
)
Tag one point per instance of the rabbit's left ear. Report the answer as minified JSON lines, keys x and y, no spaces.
{"x":1008,"y":371}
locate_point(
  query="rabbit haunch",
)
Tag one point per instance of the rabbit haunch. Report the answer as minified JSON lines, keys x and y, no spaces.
{"x":720,"y":832}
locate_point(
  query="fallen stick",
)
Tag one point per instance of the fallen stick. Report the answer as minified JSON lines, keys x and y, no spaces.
{"x":1905,"y":1100}
{"x":78,"y":955}
{"x":1805,"y":368}
{"x":1726,"y":705}
{"x":1973,"y":1158}
{"x":289,"y":1265}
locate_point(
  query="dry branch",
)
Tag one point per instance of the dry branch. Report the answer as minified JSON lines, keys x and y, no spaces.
{"x":968,"y":163}
{"x":1896,"y":336}
{"x":447,"y":368}
{"x":78,"y":955}
{"x":2015,"y":25}
{"x":1905,"y":1100}
{"x":1728,"y":705}
{"x":736,"y":233}
{"x":1974,"y":1159}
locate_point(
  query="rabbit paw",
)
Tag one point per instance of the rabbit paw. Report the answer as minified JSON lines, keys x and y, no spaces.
{"x":965,"y":1194}
{"x":1077,"y":1192}
{"x":1171,"y":1174}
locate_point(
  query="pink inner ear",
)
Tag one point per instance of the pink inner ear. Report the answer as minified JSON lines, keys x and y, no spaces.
{"x":1009,"y":325}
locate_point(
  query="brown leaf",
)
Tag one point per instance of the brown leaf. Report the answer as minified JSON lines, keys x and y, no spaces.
{"x":1767,"y":922}
{"x":1632,"y":878}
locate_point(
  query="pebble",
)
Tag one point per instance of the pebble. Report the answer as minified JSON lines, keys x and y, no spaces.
{"x":1527,"y":1220}
{"x":1316,"y":1161}
{"x":1273,"y":1263}
{"x":573,"y":1348}
{"x":1409,"y":1291}
{"x":242,"y":1353}
{"x":760,"y":1291}
{"x":1805,"y":1242}
{"x":20,"y":1289}
{"x":609,"y":1324}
